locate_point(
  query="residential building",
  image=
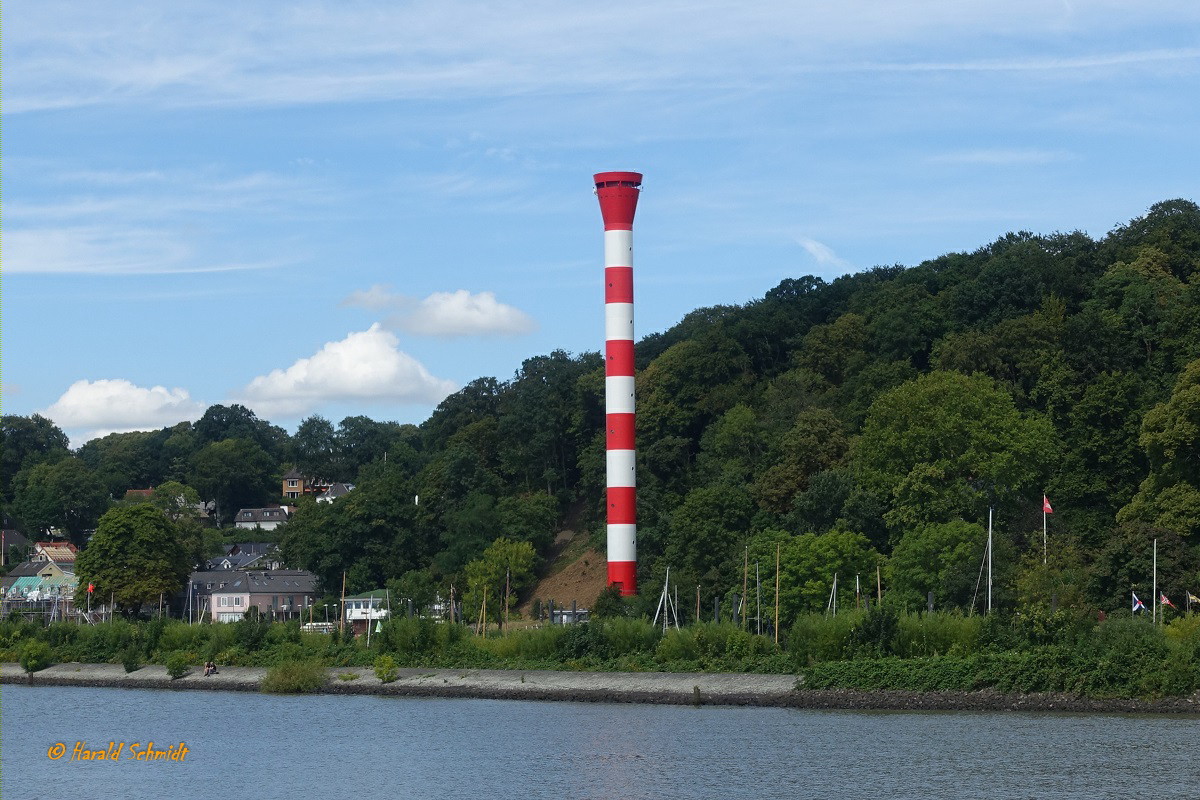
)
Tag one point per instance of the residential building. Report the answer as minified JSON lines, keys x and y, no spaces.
{"x":61,"y":553}
{"x":365,"y":609}
{"x":277,"y":594}
{"x":335,"y":491}
{"x":267,"y":518}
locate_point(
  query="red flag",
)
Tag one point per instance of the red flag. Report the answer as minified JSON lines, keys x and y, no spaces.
{"x":1162,"y":598}
{"x":91,"y":588}
{"x":1046,"y":509}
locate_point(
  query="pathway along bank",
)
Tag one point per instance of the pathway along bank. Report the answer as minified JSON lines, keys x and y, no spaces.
{"x":671,"y":688}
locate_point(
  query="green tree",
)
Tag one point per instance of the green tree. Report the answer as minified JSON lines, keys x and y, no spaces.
{"x":316,"y":450}
{"x":135,"y":556}
{"x":942,"y":558}
{"x":944,"y":444}
{"x":236,"y":473}
{"x":807,"y":565}
{"x":503,"y":563}
{"x":1170,"y":496}
{"x":65,"y":494}
{"x":25,"y":442}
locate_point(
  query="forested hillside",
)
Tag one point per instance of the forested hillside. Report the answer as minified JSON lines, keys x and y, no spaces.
{"x":860,"y":423}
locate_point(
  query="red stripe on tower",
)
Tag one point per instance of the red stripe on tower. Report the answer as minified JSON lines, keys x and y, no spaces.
{"x":618,"y":193}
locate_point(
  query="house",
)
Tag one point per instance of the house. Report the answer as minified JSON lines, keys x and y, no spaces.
{"x":12,"y":541}
{"x":244,"y":555}
{"x":39,"y":580}
{"x":277,"y":594}
{"x":267,"y":518}
{"x":61,"y":553}
{"x":365,"y":609}
{"x":335,"y":491}
{"x":296,"y":484}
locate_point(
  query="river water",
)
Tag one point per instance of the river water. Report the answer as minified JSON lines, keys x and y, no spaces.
{"x":262,"y":747}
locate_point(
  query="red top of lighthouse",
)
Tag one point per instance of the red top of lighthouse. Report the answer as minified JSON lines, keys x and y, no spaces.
{"x":618,"y":193}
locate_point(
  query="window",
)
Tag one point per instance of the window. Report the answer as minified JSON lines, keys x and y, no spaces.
{"x":237,"y":601}
{"x":224,"y":601}
{"x":291,"y":482}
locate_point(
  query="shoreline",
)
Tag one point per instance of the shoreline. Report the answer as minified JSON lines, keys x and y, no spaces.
{"x":656,"y":688}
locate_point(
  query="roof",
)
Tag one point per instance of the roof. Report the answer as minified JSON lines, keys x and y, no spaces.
{"x":139,"y":494}
{"x":274,"y":581}
{"x":292,"y":475}
{"x":335,"y":491}
{"x":371,"y":595}
{"x":248,"y":548}
{"x":22,"y":570}
{"x":57,"y":551}
{"x":256,"y":515}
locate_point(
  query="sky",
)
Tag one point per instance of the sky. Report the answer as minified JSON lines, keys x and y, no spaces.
{"x":343,"y":208}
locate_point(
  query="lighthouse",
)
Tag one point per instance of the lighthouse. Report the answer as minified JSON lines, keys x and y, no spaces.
{"x":618,"y":193}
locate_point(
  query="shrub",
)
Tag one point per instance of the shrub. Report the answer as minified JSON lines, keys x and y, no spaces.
{"x":131,"y":658}
{"x":35,"y":655}
{"x":295,"y":677}
{"x":386,"y":669}
{"x":177,"y":664}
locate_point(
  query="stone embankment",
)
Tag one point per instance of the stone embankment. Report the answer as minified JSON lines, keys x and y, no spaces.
{"x":603,"y":687}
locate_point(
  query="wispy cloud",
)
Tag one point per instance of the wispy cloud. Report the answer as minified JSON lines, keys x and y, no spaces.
{"x":142,"y":222}
{"x":1002,"y":156}
{"x":823,"y":254}
{"x":198,"y":54}
{"x":445,"y":314}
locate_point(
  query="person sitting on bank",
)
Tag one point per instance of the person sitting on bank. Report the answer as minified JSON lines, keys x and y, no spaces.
{"x":209,"y":668}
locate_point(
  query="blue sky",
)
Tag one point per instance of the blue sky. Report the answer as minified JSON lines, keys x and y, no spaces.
{"x":355,"y":208}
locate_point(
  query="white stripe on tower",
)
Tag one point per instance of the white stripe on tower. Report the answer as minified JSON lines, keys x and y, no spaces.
{"x":618,"y":193}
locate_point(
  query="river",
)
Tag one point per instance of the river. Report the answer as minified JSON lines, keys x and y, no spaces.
{"x":262,"y":747}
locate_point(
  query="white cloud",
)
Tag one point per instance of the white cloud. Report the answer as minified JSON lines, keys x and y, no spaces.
{"x":117,"y":405}
{"x":366,"y":366}
{"x":445,"y":314}
{"x":823,"y":254}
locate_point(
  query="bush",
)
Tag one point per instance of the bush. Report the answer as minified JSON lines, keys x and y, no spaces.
{"x":131,"y":658}
{"x":386,"y":669}
{"x":295,"y":677}
{"x":35,"y":655}
{"x":177,"y":664}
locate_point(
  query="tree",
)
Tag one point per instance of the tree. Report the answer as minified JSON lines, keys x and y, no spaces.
{"x":25,"y":442}
{"x":503,"y":563}
{"x":941,"y":558}
{"x":315,"y":448}
{"x":807,"y":565}
{"x":1170,"y":496}
{"x":180,"y":504}
{"x":236,"y":473}
{"x":135,"y":556}
{"x":238,"y":422}
{"x":943,"y":445}
{"x":66,"y":495}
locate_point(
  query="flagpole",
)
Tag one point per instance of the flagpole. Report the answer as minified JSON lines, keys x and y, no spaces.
{"x":1043,"y":530}
{"x":989,"y":560}
{"x":1154,"y":591}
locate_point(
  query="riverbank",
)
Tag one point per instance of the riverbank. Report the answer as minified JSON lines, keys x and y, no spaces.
{"x":736,"y":689}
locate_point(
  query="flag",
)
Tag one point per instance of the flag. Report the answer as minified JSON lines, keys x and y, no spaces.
{"x":91,"y":588}
{"x":1191,"y":598}
{"x":1137,"y":604}
{"x":1046,"y":509}
{"x":1162,"y":599}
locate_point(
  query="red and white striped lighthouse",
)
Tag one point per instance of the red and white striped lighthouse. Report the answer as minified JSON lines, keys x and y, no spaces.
{"x":618,"y":193}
